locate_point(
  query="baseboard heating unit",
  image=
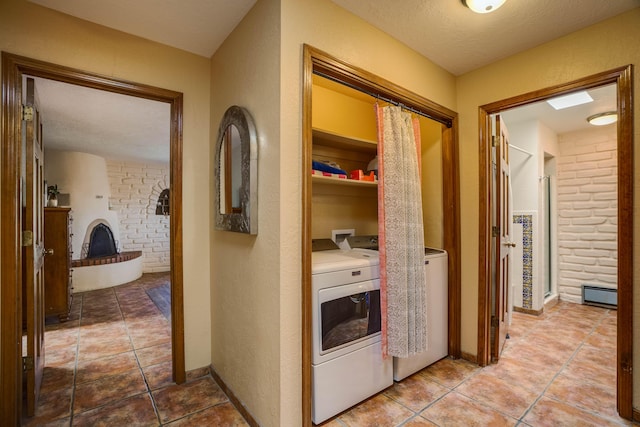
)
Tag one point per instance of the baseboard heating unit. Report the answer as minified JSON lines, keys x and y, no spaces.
{"x":599,"y":296}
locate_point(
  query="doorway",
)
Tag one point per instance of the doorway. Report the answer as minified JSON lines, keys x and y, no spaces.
{"x":13,"y":69}
{"x":622,"y":77}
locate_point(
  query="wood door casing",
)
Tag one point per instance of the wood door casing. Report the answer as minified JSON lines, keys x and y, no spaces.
{"x":14,"y":67}
{"x":623,"y":78}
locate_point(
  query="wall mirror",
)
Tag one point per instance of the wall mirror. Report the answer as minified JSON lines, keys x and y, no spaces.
{"x":236,"y":173}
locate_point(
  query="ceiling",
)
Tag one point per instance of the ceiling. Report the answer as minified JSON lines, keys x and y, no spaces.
{"x":107,"y":124}
{"x":197,"y":26}
{"x":436,"y":28}
{"x":95,"y":121}
{"x":569,"y":119}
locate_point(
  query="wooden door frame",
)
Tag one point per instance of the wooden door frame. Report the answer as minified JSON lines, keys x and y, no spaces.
{"x":13,"y":68}
{"x":623,"y":78}
{"x":317,"y":60}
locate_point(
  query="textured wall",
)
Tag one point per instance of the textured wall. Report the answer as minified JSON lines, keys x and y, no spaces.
{"x":606,"y":45}
{"x":587,"y":211}
{"x":135,"y":188}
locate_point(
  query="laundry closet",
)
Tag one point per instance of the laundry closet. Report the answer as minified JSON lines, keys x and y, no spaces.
{"x":344,"y":131}
{"x":348,"y":366}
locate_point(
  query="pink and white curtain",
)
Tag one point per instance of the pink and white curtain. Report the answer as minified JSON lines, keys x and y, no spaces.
{"x":401,"y":236}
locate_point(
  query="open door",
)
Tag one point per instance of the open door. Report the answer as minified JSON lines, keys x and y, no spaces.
{"x":33,"y":250}
{"x":503,"y":243}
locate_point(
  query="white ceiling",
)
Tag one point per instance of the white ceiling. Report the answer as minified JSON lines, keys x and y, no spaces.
{"x":434,"y":28}
{"x":569,"y":119}
{"x":197,"y":26}
{"x":107,"y":124}
{"x":459,"y":40}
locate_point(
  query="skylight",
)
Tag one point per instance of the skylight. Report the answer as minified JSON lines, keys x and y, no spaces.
{"x":570,"y":100}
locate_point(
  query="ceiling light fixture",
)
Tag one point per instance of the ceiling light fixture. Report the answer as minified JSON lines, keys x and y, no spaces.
{"x":603,"y":118}
{"x":483,"y":6}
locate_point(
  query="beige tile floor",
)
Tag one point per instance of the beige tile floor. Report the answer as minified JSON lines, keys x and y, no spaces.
{"x":111,"y":365}
{"x":557,"y":369}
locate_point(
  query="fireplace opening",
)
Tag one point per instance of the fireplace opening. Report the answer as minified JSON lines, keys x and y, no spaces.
{"x":101,"y":243}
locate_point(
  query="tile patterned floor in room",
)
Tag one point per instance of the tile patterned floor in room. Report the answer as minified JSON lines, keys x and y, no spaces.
{"x":557,"y":369}
{"x":110,"y":365}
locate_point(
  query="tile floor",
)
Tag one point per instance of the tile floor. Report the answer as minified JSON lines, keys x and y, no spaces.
{"x":110,"y":365}
{"x":557,"y":369}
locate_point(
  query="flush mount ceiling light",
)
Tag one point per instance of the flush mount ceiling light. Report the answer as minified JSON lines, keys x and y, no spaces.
{"x":483,"y":6}
{"x":570,"y":100}
{"x":603,"y":118}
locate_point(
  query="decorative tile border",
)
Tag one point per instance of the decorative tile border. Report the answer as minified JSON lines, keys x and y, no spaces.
{"x":527,"y":258}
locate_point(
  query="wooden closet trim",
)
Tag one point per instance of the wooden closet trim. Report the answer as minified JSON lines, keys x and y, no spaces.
{"x":319,"y":61}
{"x":623,"y":78}
{"x":13,"y":67}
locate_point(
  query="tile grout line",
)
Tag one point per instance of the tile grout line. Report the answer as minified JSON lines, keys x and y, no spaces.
{"x":135,"y":353}
{"x":564,"y":365}
{"x":75,"y":366}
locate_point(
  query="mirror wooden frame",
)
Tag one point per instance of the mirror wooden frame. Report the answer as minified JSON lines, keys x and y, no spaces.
{"x":244,"y":219}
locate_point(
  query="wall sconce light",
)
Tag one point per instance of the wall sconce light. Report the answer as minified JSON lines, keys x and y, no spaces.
{"x":603,"y":118}
{"x":483,"y":6}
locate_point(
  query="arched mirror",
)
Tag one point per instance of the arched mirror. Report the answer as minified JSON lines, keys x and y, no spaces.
{"x":236,"y":173}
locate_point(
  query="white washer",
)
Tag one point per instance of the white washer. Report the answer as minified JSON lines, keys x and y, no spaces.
{"x":347,"y":364}
{"x":436,"y":275}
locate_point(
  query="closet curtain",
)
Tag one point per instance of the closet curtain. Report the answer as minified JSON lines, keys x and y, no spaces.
{"x":401,"y":236}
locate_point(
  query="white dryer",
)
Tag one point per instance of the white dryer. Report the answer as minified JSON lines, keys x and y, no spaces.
{"x":347,"y":363}
{"x":436,"y":275}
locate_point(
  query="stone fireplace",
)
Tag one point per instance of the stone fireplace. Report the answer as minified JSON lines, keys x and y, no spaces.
{"x":102,"y":265}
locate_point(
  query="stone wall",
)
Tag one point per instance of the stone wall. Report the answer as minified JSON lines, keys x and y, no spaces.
{"x":135,"y":188}
{"x":587,"y":211}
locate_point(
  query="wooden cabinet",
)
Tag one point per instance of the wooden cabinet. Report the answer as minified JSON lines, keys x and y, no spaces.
{"x":57,"y":265}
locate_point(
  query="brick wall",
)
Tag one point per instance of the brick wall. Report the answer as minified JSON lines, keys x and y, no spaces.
{"x":587,"y":211}
{"x":135,"y":188}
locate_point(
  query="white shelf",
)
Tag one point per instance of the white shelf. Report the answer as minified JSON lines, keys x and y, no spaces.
{"x":319,"y":179}
{"x":330,"y":139}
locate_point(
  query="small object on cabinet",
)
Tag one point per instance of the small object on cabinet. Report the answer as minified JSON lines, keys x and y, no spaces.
{"x":359,"y":175}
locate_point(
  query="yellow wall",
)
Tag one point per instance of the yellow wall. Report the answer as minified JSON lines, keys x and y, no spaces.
{"x":328,"y":27}
{"x":609,"y":44}
{"x":342,"y":112}
{"x":36,"y":32}
{"x":248,"y":323}
{"x":245,"y":270}
{"x":432,"y":203}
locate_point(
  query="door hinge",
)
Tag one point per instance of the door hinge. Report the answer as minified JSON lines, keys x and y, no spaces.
{"x":495,"y":231}
{"x":27,"y":238}
{"x":494,"y":322}
{"x":27,"y":113}
{"x":493,"y":140}
{"x":27,"y":363}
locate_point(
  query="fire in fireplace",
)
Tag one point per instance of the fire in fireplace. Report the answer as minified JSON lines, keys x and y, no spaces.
{"x":101,"y":243}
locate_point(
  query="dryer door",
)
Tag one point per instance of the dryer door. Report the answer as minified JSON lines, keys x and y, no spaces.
{"x":347,"y":315}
